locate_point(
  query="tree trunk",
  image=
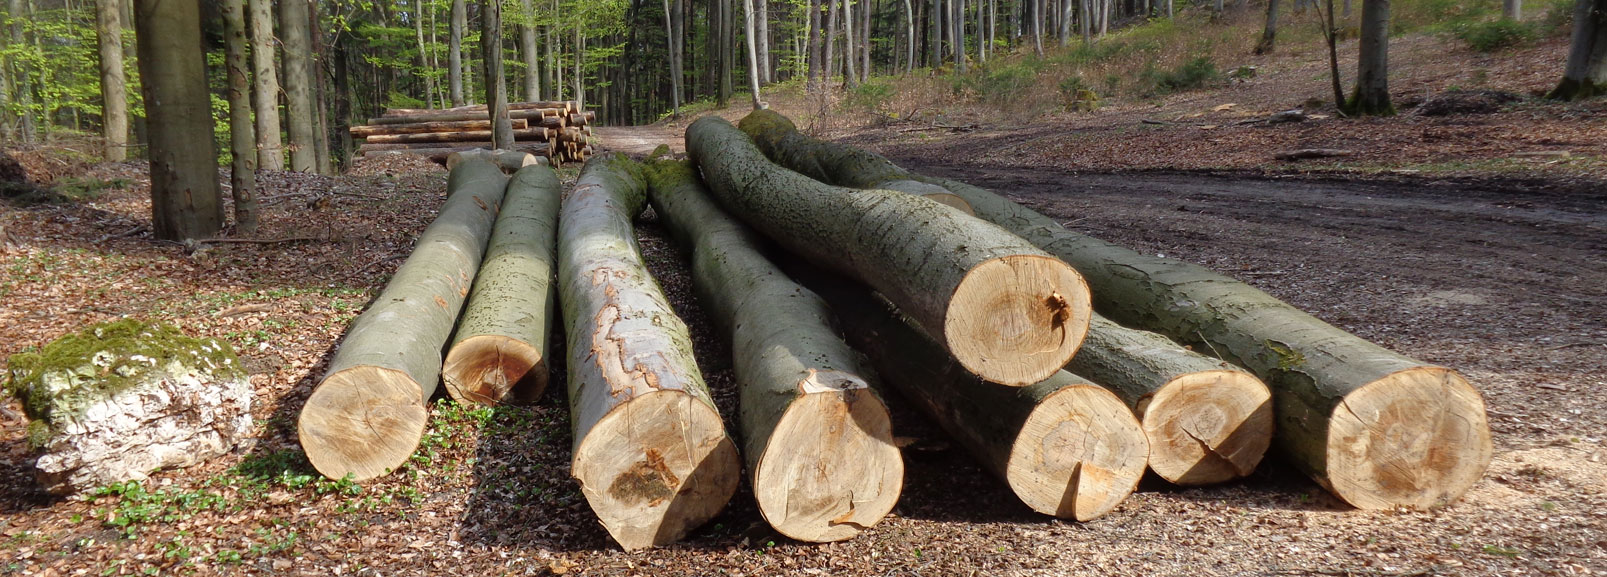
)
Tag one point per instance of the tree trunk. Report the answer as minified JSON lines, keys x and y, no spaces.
{"x":423,"y":53}
{"x":454,"y":50}
{"x":957,"y":19}
{"x":672,"y":21}
{"x":293,"y":21}
{"x":579,"y":75}
{"x":767,"y":72}
{"x":1269,"y":36}
{"x":650,"y":451}
{"x":265,"y":87}
{"x":368,"y":414}
{"x":1586,"y":74}
{"x":500,"y":348}
{"x":1376,"y":428}
{"x":1007,"y":310}
{"x":22,"y":74}
{"x":818,"y":441}
{"x":1065,"y":446}
{"x":1331,"y":37}
{"x":320,"y":97}
{"x":727,"y":50}
{"x":1372,"y":69}
{"x":242,"y":136}
{"x":850,"y":58}
{"x":184,"y":164}
{"x":909,"y":58}
{"x":832,"y":26}
{"x":1510,"y":9}
{"x":496,"y":87}
{"x":114,"y":110}
{"x":528,"y":48}
{"x":753,"y":51}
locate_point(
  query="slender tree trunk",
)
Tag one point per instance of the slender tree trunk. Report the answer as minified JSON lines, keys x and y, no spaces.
{"x":242,"y":137}
{"x":1510,"y":9}
{"x":114,"y":110}
{"x":184,"y":164}
{"x":832,"y":26}
{"x":934,"y":35}
{"x":265,"y":87}
{"x":454,"y":51}
{"x":767,"y":72}
{"x":423,"y":52}
{"x":674,"y":57}
{"x":850,"y":58}
{"x":496,"y":92}
{"x":1372,"y":70}
{"x":7,"y":132}
{"x":21,"y":73}
{"x":302,"y":116}
{"x":1036,"y":8}
{"x":344,"y":96}
{"x":527,"y":39}
{"x":727,"y":51}
{"x":320,"y":91}
{"x":1066,"y":7}
{"x":1331,"y":36}
{"x":909,"y":49}
{"x":959,"y":34}
{"x":753,"y":51}
{"x":1586,"y":74}
{"x":580,"y":57}
{"x":1085,"y":21}
{"x":1269,"y":37}
{"x":864,"y":39}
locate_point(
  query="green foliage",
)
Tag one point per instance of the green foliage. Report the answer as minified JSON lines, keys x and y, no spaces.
{"x":1490,"y":36}
{"x":1001,"y":83}
{"x":1193,"y":74}
{"x":871,"y":97}
{"x":87,"y":188}
{"x":134,"y":506}
{"x":1556,"y":15}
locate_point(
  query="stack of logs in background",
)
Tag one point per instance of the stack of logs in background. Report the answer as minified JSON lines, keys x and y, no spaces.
{"x":557,"y":130}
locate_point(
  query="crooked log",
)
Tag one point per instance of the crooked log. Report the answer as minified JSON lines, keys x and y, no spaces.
{"x":650,"y":451}
{"x":1376,"y":428}
{"x":1006,"y":309}
{"x":500,"y":348}
{"x":367,"y":415}
{"x":818,"y":441}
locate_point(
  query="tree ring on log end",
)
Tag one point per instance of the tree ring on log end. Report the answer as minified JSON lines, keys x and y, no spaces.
{"x":657,"y":466}
{"x":485,"y":369}
{"x":1416,"y":438}
{"x":364,"y":421}
{"x":1208,"y":427}
{"x":1078,"y":455}
{"x":830,"y":469}
{"x":1015,"y":320}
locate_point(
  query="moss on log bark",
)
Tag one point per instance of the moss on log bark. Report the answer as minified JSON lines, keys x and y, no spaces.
{"x":1006,"y":309}
{"x":1376,"y":428}
{"x":500,"y":348}
{"x":818,"y":441}
{"x":1065,"y":446}
{"x":650,"y":451}
{"x":367,"y":415}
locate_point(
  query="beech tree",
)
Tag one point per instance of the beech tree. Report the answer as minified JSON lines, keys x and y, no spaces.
{"x":114,"y":100}
{"x":454,"y":54}
{"x":294,"y":18}
{"x":496,"y":94}
{"x":1372,"y":68}
{"x":184,"y":169}
{"x":242,"y":137}
{"x":1586,"y":74}
{"x":265,"y":87}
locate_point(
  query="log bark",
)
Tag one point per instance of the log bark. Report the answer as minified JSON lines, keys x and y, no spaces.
{"x":526,"y":134}
{"x":500,"y":348}
{"x":367,"y":415}
{"x":650,"y":451}
{"x":481,"y":123}
{"x":509,"y":161}
{"x":1376,"y":428}
{"x":441,"y":155}
{"x":1065,"y":446}
{"x":1206,"y":420}
{"x":1007,"y":310}
{"x":818,"y":441}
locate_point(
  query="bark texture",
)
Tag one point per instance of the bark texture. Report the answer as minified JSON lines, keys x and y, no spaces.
{"x":242,"y":133}
{"x":496,"y":89}
{"x":1065,"y":446}
{"x":1586,"y":74}
{"x":367,"y":415}
{"x":510,"y":161}
{"x":650,"y":452}
{"x":184,"y":164}
{"x":454,"y":50}
{"x":818,"y":441}
{"x":1377,"y":428}
{"x":1007,"y":310}
{"x":294,"y":17}
{"x":265,"y":87}
{"x":500,"y":348}
{"x":113,"y":89}
{"x":1372,"y":66}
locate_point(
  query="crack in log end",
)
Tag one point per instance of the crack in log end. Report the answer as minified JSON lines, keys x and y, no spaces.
{"x":1060,"y":310}
{"x":1416,"y":438}
{"x":647,"y":483}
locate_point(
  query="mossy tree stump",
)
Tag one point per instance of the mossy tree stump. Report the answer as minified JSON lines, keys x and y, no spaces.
{"x":115,"y":402}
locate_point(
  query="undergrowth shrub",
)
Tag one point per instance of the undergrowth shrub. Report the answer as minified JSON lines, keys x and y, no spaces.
{"x":1495,"y":35}
{"x":871,"y":97}
{"x":1001,"y":85}
{"x":1190,"y":75}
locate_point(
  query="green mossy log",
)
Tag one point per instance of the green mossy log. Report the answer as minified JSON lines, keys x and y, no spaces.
{"x":650,"y":451}
{"x":500,"y":347}
{"x":1376,"y":428}
{"x":818,"y":441}
{"x":367,"y":415}
{"x":1006,"y":309}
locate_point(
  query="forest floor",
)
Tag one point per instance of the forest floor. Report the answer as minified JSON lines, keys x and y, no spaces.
{"x":1491,"y":265}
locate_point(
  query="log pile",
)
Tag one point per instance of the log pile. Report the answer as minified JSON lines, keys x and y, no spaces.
{"x":1065,"y":365}
{"x":556,"y":130}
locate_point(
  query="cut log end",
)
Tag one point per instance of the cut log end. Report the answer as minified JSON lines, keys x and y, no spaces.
{"x":364,"y":422}
{"x":1208,"y":427}
{"x":1417,"y":438}
{"x":1079,"y":454}
{"x":488,"y":369}
{"x":951,"y":200}
{"x":830,"y":469}
{"x":656,"y":467}
{"x":1017,"y":319}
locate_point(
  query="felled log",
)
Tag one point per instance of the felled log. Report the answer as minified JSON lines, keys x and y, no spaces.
{"x":1374,"y":427}
{"x":1207,"y":421}
{"x":367,"y":415}
{"x":650,"y":452}
{"x":1065,"y":446}
{"x":1007,"y":310}
{"x":500,"y":347}
{"x":818,"y":441}
{"x":530,"y":115}
{"x":508,"y":160}
{"x":116,"y":401}
{"x":566,"y":105}
{"x":458,"y":136}
{"x":440,"y":154}
{"x":427,"y":127}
